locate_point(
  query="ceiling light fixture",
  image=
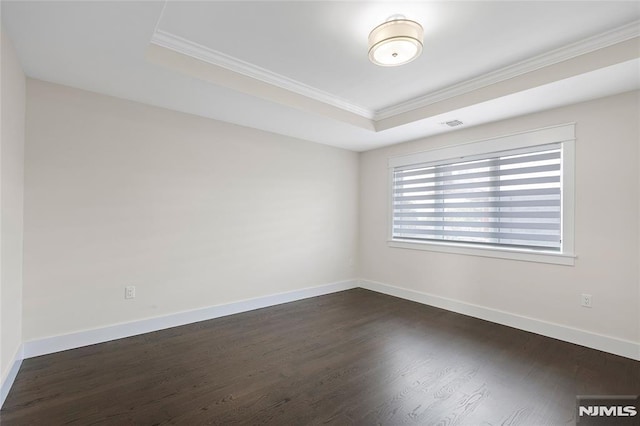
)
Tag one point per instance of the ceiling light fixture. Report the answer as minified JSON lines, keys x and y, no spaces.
{"x":395,"y":42}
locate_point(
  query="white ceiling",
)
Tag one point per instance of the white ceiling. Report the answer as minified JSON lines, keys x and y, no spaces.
{"x":301,"y":68}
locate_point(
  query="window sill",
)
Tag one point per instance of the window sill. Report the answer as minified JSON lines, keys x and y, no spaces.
{"x":496,"y":252}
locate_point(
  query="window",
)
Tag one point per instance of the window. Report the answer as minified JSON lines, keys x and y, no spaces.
{"x":506,"y":197}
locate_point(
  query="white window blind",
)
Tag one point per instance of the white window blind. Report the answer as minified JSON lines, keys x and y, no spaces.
{"x":510,"y":198}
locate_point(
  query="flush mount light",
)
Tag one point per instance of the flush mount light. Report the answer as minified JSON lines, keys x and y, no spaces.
{"x":395,"y":42}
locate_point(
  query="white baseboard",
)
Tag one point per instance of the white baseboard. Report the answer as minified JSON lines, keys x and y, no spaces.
{"x":53,"y":344}
{"x":11,"y":376}
{"x":63,"y":342}
{"x":625,"y":348}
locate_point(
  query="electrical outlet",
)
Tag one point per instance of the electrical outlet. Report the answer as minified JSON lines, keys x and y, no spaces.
{"x":586,"y":300}
{"x":130,"y":292}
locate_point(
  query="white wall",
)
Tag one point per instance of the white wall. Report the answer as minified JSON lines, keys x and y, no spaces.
{"x":191,"y":211}
{"x":11,"y":199}
{"x":607,"y":226}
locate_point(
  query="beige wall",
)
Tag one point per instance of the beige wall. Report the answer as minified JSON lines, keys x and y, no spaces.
{"x":606,"y":224}
{"x":11,"y":192}
{"x":191,"y":211}
{"x":196,"y":213}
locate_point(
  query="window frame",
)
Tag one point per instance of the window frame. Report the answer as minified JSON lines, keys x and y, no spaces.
{"x":563,"y":134}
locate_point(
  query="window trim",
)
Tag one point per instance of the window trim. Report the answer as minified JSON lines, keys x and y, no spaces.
{"x":563,"y":134}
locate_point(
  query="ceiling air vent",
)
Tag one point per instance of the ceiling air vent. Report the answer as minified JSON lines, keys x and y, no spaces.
{"x":453,"y":123}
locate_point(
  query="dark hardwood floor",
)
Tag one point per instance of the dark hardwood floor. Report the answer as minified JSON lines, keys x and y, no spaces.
{"x":354,"y":357}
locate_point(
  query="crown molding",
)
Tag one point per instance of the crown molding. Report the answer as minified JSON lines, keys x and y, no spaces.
{"x":198,"y":51}
{"x":203,"y":53}
{"x":561,"y":54}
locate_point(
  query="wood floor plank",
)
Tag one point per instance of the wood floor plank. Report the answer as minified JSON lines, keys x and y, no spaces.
{"x":354,"y":357}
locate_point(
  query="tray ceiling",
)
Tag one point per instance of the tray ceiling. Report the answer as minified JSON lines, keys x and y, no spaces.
{"x":301,"y":68}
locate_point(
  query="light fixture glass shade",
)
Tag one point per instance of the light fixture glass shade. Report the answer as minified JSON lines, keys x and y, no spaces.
{"x":395,"y":42}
